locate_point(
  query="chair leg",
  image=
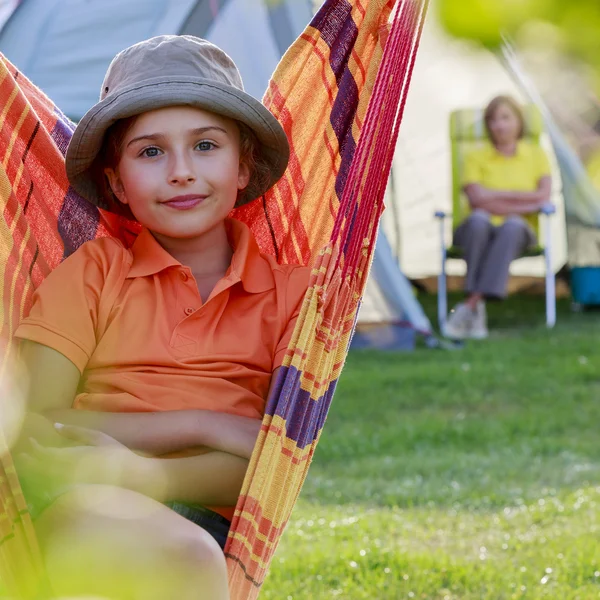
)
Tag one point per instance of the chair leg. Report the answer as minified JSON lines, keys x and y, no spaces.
{"x":550,"y":280}
{"x":550,"y":298}
{"x":442,"y":294}
{"x":442,"y":291}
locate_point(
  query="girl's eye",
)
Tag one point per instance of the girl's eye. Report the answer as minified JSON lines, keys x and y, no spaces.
{"x":150,"y":152}
{"x":205,"y":146}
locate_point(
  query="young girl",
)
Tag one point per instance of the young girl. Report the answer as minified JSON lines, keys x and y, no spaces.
{"x":156,"y":361}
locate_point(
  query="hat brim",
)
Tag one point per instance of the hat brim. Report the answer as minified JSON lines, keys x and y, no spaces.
{"x":162,"y":92}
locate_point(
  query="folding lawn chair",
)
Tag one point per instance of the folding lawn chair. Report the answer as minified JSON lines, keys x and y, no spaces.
{"x":467,"y":132}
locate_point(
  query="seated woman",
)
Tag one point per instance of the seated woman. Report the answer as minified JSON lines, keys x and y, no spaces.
{"x":506,"y":182}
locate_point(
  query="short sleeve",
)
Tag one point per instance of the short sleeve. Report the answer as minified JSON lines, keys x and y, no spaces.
{"x":66,"y":307}
{"x":472,"y":171}
{"x":296,"y":287}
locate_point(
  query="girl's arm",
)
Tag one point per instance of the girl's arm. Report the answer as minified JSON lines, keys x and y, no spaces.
{"x":213,"y":479}
{"x":157,"y":433}
{"x":53,"y":386}
{"x":509,"y":202}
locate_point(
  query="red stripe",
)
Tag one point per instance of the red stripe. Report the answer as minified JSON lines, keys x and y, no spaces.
{"x":259,"y":523}
{"x":359,"y":64}
{"x":325,"y":63}
{"x":361,"y":9}
{"x":294,"y":173}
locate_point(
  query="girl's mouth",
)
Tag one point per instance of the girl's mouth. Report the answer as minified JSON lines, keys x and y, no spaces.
{"x":184,"y":202}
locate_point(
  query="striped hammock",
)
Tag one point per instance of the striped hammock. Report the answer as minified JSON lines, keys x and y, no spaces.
{"x":339,"y":92}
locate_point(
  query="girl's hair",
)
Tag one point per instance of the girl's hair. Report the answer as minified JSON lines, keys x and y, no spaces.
{"x":112,"y":149}
{"x":108,"y":158}
{"x":495,"y":104}
{"x":259,"y":167}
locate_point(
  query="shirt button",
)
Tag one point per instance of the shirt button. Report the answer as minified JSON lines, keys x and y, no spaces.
{"x":184,"y":276}
{"x":189,"y":311}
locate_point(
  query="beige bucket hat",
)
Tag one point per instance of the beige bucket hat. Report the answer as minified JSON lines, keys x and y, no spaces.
{"x":171,"y":70}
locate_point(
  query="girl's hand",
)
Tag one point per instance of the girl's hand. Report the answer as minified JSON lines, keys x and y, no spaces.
{"x":40,"y":429}
{"x":96,"y":459}
{"x":82,"y":436}
{"x":229,"y":433}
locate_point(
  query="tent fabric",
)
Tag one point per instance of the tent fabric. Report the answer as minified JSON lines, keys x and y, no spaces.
{"x":341,"y":105}
{"x":7,"y":8}
{"x":562,"y":93}
{"x":40,"y":37}
{"x":390,"y":316}
{"x":51,"y":41}
{"x":389,"y":297}
{"x":582,"y":197}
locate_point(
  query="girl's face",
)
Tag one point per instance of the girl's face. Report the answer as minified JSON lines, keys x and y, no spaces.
{"x":504,"y":125}
{"x":180,"y":171}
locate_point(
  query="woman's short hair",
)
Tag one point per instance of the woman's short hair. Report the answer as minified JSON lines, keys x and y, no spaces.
{"x":495,"y":104}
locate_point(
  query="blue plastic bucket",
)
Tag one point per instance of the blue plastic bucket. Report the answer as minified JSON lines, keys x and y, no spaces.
{"x":585,"y":285}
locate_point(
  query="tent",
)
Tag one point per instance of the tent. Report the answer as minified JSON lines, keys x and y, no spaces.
{"x":65,"y":46}
{"x":7,"y":7}
{"x":40,"y":38}
{"x":449,"y":74}
{"x":572,"y":116}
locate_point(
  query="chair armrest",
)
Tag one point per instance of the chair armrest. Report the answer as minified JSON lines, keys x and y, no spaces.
{"x":548,"y":209}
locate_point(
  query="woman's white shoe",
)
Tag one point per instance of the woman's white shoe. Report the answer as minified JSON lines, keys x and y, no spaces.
{"x":459,"y":323}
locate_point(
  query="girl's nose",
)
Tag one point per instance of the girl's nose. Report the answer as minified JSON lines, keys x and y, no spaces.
{"x":182,"y":170}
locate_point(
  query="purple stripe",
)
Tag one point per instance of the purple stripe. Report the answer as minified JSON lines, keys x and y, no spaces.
{"x":77,"y":222}
{"x":78,"y":219}
{"x":304,"y":417}
{"x":332,"y":21}
{"x":339,"y":31}
{"x":342,"y":118}
{"x":62,"y":132}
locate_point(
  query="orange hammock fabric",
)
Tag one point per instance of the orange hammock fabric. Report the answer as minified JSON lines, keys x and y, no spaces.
{"x":339,"y":92}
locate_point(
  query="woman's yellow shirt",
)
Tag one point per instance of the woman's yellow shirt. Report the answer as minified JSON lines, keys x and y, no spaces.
{"x":520,"y":172}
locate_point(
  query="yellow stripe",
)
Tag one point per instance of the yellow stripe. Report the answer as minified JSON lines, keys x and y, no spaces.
{"x":3,"y":72}
{"x":6,"y":241}
{"x":15,"y":133}
{"x":16,"y":274}
{"x":254,"y":557}
{"x":6,"y":233}
{"x":4,"y":114}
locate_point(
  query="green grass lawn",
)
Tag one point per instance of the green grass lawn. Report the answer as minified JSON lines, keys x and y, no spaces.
{"x":469,"y":474}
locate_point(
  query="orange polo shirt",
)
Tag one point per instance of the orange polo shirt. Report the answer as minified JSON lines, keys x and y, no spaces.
{"x":133,"y":323}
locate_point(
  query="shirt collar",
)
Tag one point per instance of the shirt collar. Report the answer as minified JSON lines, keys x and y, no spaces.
{"x":494,"y":151}
{"x":248,"y":265}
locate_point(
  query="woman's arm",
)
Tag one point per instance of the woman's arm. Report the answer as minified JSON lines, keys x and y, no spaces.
{"x":507,"y":202}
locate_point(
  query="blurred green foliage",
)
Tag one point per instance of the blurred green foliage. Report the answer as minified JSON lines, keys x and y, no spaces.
{"x":572,"y":25}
